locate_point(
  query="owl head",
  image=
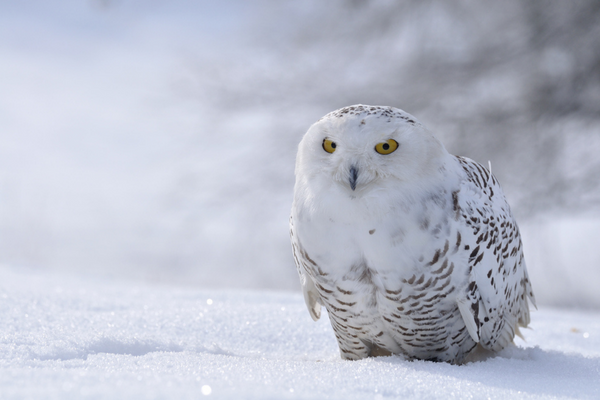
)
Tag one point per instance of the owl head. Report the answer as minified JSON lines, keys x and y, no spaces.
{"x":362,"y":147}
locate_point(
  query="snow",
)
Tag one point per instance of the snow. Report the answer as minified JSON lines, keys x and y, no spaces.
{"x":82,"y":337}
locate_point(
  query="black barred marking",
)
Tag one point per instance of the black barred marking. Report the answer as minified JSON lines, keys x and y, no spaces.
{"x":447,"y":274}
{"x":435,"y":297}
{"x":316,"y":267}
{"x":323,"y":289}
{"x":428,"y":305}
{"x":394,"y":292}
{"x":480,"y":238}
{"x":307,"y":257}
{"x":336,"y":309}
{"x":446,"y":247}
{"x":443,"y":267}
{"x":426,"y":284}
{"x":436,"y":256}
{"x":460,"y":332}
{"x":343,"y":291}
{"x":443,"y":285}
{"x":458,"y":239}
{"x":448,"y":292}
{"x":475,"y":308}
{"x":478,"y":259}
{"x":472,"y":287}
{"x":417,"y":296}
{"x":474,"y":252}
{"x":348,"y":352}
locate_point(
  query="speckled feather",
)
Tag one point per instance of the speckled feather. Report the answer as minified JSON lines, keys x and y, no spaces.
{"x":423,"y":259}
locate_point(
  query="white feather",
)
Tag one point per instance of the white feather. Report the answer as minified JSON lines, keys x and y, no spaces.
{"x":464,"y":306}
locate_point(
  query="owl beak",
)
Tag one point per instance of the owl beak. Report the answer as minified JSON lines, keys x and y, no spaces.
{"x":353,"y":176}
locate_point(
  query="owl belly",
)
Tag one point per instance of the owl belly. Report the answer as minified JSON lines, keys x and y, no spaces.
{"x":393,"y":292}
{"x":411,"y":318}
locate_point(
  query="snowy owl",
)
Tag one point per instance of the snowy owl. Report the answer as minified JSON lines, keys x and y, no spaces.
{"x":411,"y":250}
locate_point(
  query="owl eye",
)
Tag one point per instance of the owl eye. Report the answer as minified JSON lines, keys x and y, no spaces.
{"x":329,"y":146}
{"x":386,"y":147}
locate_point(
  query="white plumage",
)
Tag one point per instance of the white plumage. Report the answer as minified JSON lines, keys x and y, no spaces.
{"x":410,"y":249}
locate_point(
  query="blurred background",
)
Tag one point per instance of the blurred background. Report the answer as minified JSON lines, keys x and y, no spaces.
{"x":155,"y":140}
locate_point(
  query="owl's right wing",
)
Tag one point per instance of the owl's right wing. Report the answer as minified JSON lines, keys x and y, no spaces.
{"x":311,"y":295}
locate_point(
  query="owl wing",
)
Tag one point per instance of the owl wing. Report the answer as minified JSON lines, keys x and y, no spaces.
{"x":495,"y":301}
{"x":301,"y":258}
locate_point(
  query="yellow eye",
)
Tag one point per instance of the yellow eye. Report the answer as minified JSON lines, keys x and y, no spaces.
{"x":386,"y":147}
{"x":329,"y":146}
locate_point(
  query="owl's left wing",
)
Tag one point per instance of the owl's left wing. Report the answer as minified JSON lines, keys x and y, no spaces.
{"x":494,"y":303}
{"x":301,"y":258}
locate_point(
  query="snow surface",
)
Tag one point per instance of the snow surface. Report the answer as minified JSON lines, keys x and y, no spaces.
{"x":64,"y":337}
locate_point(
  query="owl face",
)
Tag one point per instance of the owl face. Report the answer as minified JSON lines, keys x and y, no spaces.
{"x":361,"y":150}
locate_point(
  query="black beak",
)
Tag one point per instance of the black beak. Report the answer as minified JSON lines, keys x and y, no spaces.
{"x":353,"y":177}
